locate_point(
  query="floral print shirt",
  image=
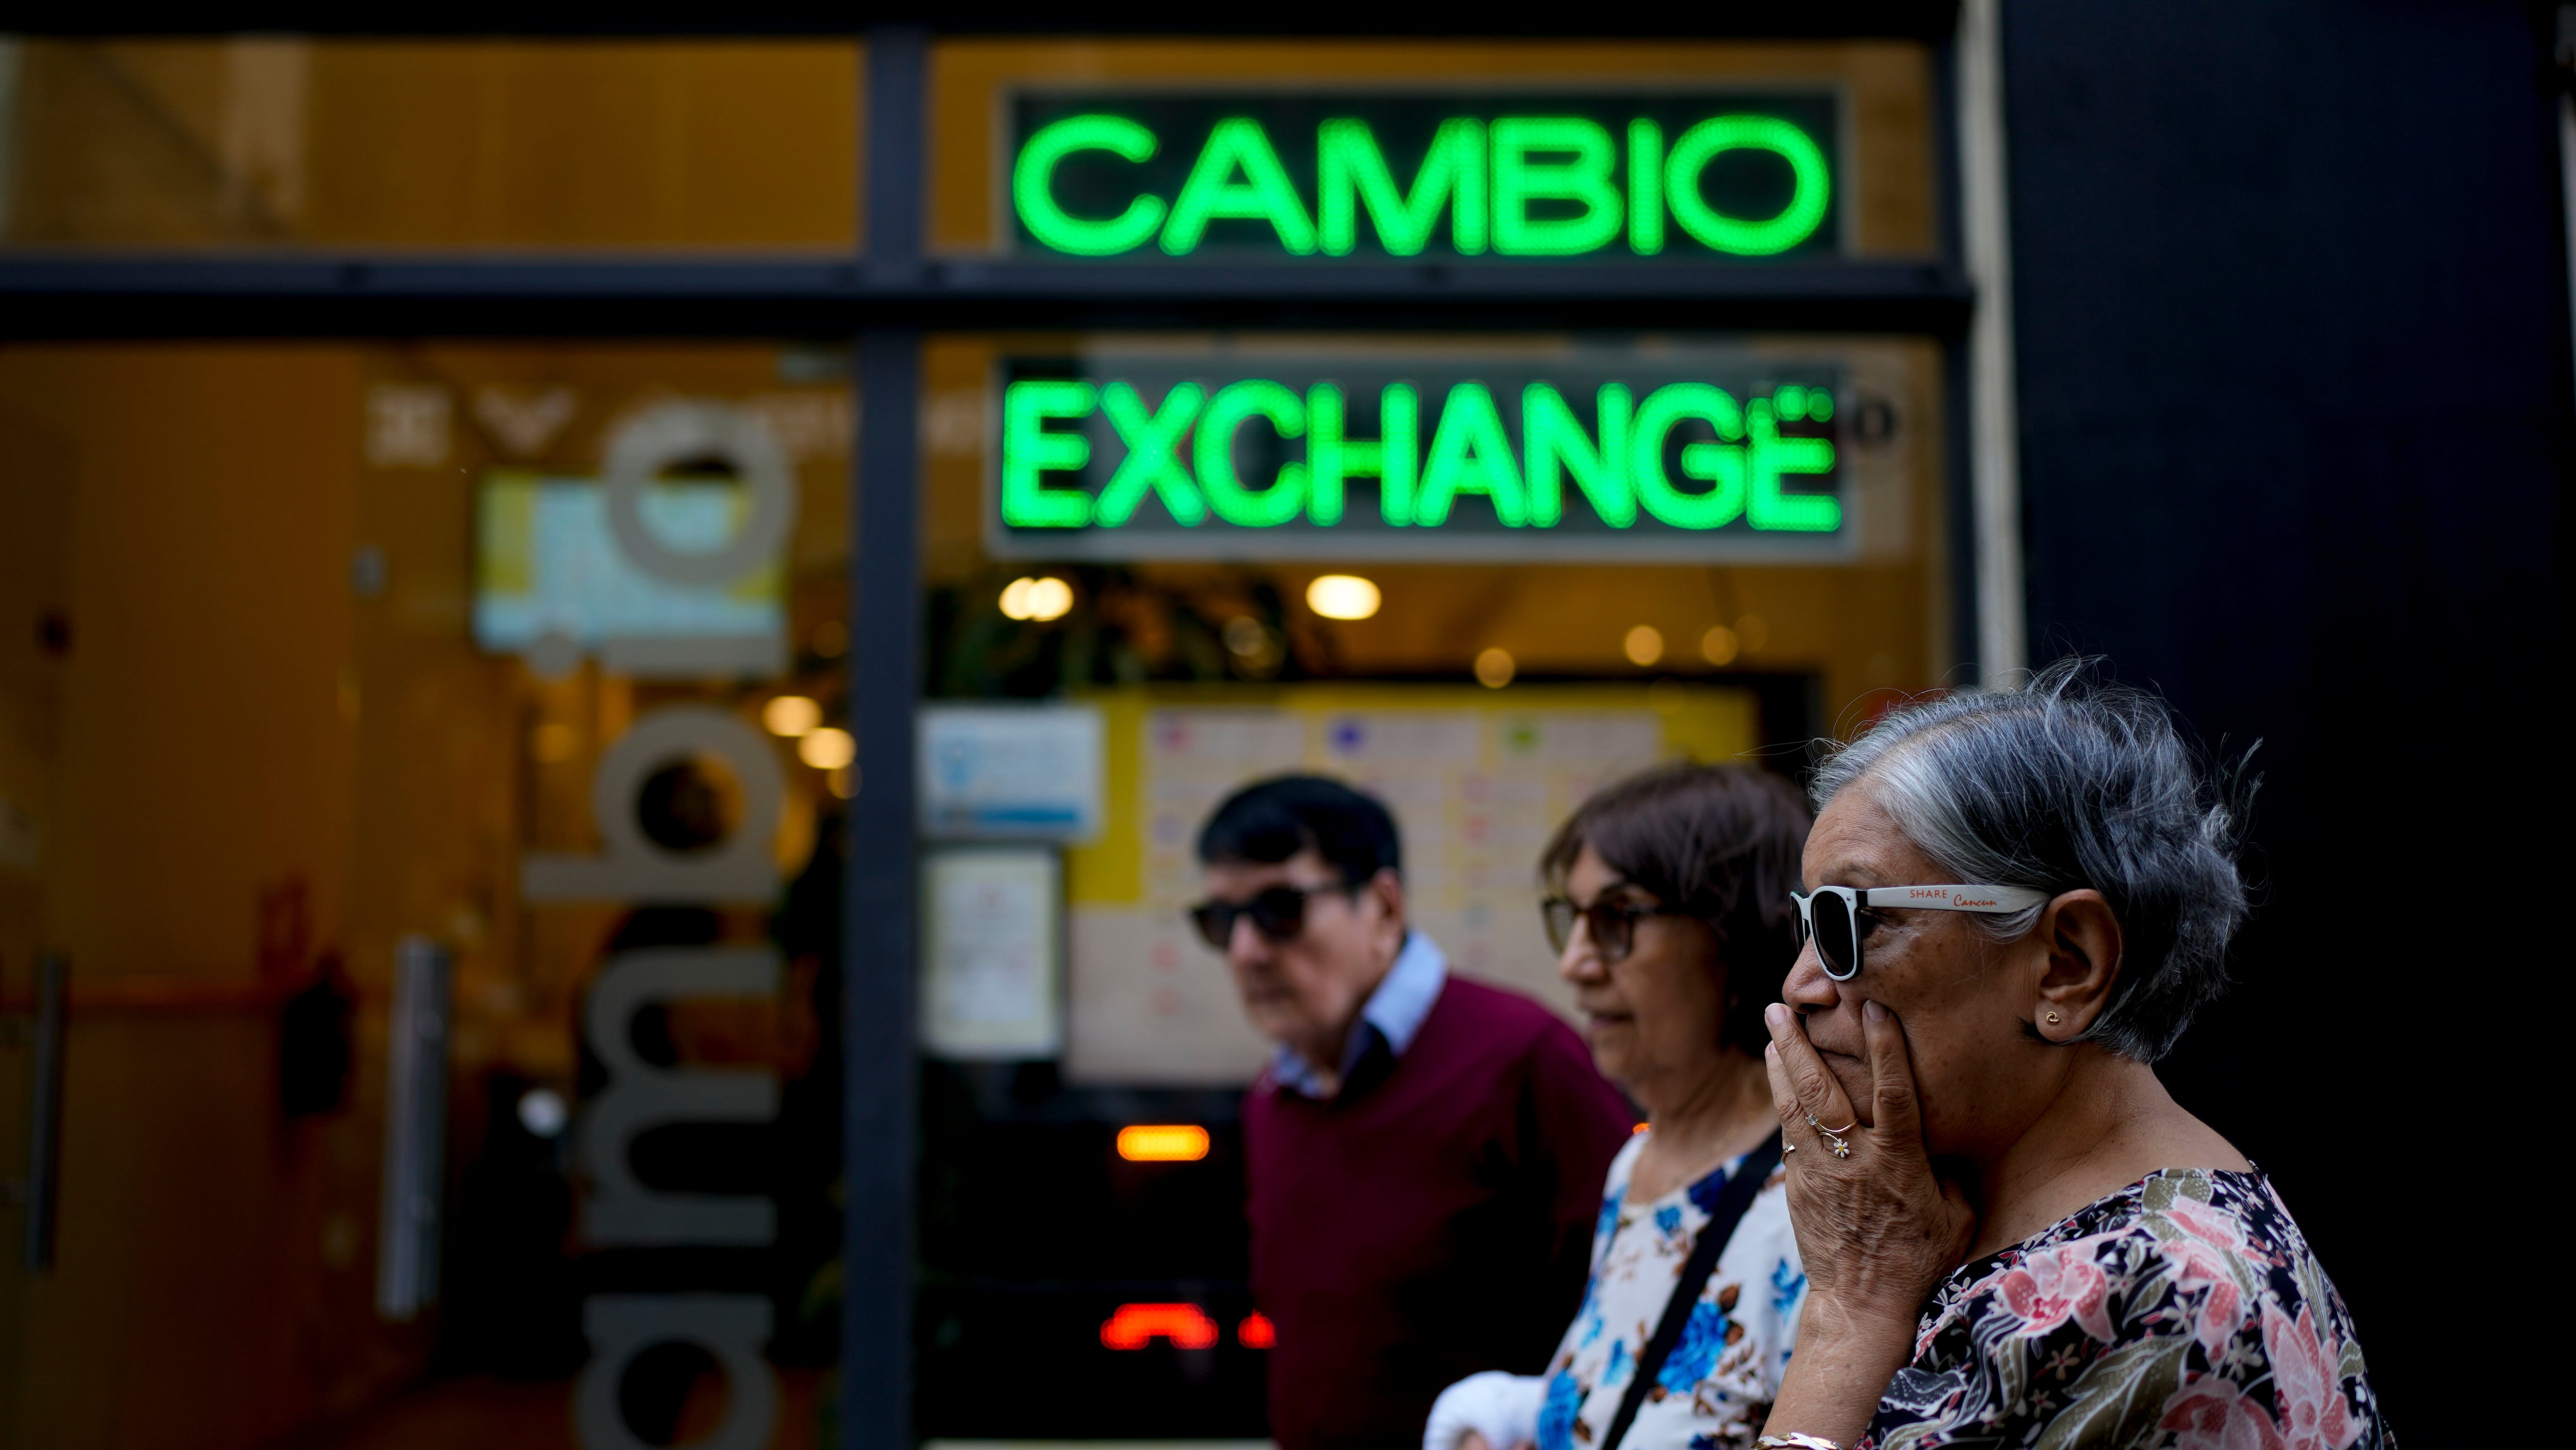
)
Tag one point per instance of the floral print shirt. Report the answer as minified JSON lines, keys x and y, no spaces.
{"x":2183,"y":1311}
{"x":1716,"y":1388}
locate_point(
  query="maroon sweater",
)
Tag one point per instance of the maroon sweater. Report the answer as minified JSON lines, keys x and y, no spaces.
{"x":1433,"y":1221}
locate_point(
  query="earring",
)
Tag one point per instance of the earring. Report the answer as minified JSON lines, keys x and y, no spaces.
{"x":2052,"y":1019}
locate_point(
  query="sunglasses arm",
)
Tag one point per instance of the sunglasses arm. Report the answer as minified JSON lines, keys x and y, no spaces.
{"x":1996,"y":900}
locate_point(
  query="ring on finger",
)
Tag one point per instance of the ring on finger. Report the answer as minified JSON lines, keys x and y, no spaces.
{"x":1834,"y":1140}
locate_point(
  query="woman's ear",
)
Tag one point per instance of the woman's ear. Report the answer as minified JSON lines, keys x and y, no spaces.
{"x":2081,"y":937}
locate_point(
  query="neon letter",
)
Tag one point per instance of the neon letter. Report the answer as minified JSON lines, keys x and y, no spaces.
{"x":1585,"y":180}
{"x":1469,"y":454}
{"x":1032,"y":187}
{"x":1552,"y":438}
{"x":1772,"y":456}
{"x":1333,"y":457}
{"x":1645,"y":187}
{"x":1233,"y":405}
{"x":1150,"y":439}
{"x":1348,"y":164}
{"x":1720,"y":464}
{"x":1238,"y":144}
{"x":1028,"y":450}
{"x":1813,"y":184}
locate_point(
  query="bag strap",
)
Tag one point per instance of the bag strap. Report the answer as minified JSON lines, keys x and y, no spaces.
{"x":1723,"y":1216}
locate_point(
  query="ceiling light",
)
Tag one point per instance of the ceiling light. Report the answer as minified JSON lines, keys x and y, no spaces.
{"x":1342,"y":596}
{"x":791,"y":716}
{"x":1040,"y":597}
{"x":1719,"y":645}
{"x":1644,"y":644}
{"x":828,"y":748}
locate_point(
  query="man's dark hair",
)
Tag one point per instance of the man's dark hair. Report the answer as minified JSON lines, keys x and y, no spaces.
{"x":1718,"y":842}
{"x":1271,"y":820}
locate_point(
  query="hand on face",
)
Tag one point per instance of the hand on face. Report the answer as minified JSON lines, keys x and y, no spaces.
{"x":1306,"y":991}
{"x":1947,"y":1043}
{"x":1876,"y":1228}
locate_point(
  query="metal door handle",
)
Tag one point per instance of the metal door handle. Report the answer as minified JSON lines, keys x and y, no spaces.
{"x":42,"y":1187}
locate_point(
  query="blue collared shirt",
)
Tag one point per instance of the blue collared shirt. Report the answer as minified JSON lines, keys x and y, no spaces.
{"x":1393,"y":1016}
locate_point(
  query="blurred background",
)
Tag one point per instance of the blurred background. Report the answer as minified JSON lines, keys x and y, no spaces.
{"x":611,"y":637}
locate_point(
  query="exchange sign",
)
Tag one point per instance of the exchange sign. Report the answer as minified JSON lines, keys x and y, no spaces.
{"x":1701,"y":175}
{"x":1676,"y":454}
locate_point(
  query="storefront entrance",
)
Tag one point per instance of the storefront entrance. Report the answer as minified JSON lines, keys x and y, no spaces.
{"x":617,"y":873}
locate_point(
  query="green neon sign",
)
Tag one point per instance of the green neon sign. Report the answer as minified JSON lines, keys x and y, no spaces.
{"x":1692,"y":175}
{"x":1667,"y":456}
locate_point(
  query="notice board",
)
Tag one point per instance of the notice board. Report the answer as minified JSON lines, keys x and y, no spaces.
{"x":1477,"y":780}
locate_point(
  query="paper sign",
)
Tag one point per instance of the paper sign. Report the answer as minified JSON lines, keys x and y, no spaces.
{"x":1025,"y":773}
{"x":992,"y":952}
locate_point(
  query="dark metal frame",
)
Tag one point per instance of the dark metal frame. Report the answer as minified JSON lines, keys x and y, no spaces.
{"x":885,"y":298}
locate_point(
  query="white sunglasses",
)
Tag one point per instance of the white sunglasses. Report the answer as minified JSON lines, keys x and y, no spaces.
{"x":1837,"y":932}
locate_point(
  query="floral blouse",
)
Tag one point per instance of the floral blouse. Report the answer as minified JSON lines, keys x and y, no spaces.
{"x":2183,"y":1311}
{"x":1717,"y":1387}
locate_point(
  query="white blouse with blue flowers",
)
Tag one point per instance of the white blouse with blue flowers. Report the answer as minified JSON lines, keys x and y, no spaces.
{"x":1716,"y":1389}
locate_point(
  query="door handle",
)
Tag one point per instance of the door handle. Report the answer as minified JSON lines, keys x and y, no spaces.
{"x":41,"y":1190}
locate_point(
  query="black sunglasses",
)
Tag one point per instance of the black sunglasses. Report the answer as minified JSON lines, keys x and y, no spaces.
{"x":1612,"y":924}
{"x":1278,"y":913}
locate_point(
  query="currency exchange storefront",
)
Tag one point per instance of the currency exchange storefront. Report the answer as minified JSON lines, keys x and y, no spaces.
{"x":715,"y":582}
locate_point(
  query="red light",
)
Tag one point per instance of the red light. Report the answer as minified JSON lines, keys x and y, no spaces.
{"x":1256,"y":1332}
{"x":1136,"y":1325}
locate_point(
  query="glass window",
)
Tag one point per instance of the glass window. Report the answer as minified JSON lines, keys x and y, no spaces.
{"x":366,"y":701}
{"x":1408,"y":561}
{"x":287,"y":142}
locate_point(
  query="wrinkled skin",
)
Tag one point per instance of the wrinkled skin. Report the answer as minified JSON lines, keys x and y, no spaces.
{"x":1652,"y":1020}
{"x":1943,"y":1052}
{"x":1306,"y":993}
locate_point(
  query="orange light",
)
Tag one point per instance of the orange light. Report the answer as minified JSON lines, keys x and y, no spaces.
{"x":1632,"y":1132}
{"x":1136,"y":1325}
{"x":1256,"y":1332}
{"x":1163,"y":1143}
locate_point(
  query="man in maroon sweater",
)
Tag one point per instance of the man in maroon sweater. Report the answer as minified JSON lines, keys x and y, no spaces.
{"x":1425,"y":1153}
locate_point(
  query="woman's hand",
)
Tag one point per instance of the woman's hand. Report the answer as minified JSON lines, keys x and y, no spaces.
{"x":1877,"y":1230}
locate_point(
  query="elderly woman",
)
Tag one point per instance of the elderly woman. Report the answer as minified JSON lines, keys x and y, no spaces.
{"x":2013,"y":1236}
{"x":1672,"y":921}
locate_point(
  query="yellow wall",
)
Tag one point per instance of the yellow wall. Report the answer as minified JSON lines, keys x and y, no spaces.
{"x":192,"y":749}
{"x":439,"y":143}
{"x":234,"y":713}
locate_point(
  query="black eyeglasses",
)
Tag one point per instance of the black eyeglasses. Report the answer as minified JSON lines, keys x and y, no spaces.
{"x":1278,"y":913}
{"x":1613,"y":924}
{"x":1831,"y":915}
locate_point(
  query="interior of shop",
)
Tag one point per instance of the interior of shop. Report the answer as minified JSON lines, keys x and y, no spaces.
{"x":445,"y":754}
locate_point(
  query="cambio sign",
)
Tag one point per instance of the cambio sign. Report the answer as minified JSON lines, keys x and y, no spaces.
{"x":1554,"y":174}
{"x":623,"y":1211}
{"x":1679,"y":453}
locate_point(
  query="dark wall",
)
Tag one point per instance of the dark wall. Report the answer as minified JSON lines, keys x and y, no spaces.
{"x":2292,"y":331}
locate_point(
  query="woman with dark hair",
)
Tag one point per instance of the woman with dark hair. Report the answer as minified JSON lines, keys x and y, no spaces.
{"x":1669,"y":908}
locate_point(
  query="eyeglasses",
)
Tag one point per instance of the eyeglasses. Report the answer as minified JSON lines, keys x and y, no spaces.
{"x":1278,"y":913}
{"x":1612,"y":924}
{"x":1831,"y":915}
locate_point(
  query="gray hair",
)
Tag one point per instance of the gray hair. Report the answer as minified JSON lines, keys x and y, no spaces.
{"x":2064,"y":784}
